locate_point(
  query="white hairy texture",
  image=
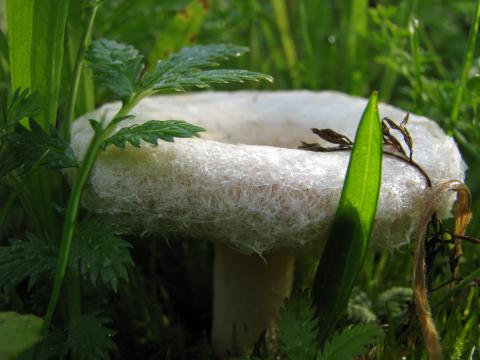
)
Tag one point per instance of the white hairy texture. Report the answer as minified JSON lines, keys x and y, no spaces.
{"x":244,"y":183}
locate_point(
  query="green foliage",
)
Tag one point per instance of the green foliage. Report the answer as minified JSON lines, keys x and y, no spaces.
{"x":18,"y":333}
{"x":151,"y":131}
{"x":348,"y":242}
{"x":350,"y":343}
{"x":90,"y":339}
{"x":360,"y":308}
{"x":100,"y":252}
{"x":20,"y":23}
{"x":393,"y":304}
{"x":13,"y":108}
{"x":297,"y":329}
{"x":163,"y":308}
{"x":179,"y":31}
{"x":47,"y":45}
{"x":184,"y":69}
{"x":33,"y":258}
{"x":25,"y":150}
{"x":117,"y":66}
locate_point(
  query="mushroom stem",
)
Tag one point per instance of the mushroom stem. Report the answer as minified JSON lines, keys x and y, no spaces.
{"x":249,"y":291}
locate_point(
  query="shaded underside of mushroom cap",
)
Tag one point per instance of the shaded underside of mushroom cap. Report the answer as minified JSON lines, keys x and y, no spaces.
{"x":243,"y":182}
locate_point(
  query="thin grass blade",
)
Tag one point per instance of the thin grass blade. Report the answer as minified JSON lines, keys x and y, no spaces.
{"x":350,"y":235}
{"x":467,"y":64}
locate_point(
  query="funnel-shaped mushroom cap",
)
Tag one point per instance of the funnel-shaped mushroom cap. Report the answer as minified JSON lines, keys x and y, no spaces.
{"x":244,"y":183}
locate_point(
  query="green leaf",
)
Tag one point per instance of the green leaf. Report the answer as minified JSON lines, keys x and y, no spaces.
{"x":350,"y":342}
{"x":18,"y":333}
{"x":90,"y":339}
{"x":49,"y":19}
{"x":19,"y":23}
{"x":297,"y":329}
{"x":349,"y":238}
{"x":151,"y":131}
{"x":32,"y":259}
{"x":25,"y":150}
{"x":100,"y":253}
{"x":13,"y":108}
{"x":117,"y":66}
{"x":184,"y":69}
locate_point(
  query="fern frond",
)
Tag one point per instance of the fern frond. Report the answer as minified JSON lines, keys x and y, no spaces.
{"x":32,"y":259}
{"x":297,"y":329}
{"x":99,"y":252}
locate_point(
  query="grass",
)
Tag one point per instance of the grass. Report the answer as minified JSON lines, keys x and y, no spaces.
{"x":420,"y":55}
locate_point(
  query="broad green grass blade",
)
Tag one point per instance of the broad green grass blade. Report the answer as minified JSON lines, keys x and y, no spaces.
{"x":467,"y":64}
{"x":49,"y":18}
{"x":19,"y":23}
{"x":346,"y":248}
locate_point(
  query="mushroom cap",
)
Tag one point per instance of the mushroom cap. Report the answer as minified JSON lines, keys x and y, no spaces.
{"x":244,"y":183}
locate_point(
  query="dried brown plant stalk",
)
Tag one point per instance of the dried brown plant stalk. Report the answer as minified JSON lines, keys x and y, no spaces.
{"x":462,"y":218}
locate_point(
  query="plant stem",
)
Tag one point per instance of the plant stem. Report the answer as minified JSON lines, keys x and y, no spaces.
{"x":73,"y":209}
{"x":91,"y":12}
{"x":69,"y":225}
{"x":467,"y":64}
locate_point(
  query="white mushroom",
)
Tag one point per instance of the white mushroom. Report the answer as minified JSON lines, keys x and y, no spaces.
{"x":245,"y":186}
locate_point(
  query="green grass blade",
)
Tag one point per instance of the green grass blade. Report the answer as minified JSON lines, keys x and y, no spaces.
{"x":76,"y":26}
{"x":288,"y":43}
{"x":19,"y":22}
{"x":417,"y":63}
{"x":82,"y":42}
{"x":350,"y":235}
{"x":49,"y":19}
{"x":354,"y":51}
{"x":389,"y":79}
{"x":467,"y":64}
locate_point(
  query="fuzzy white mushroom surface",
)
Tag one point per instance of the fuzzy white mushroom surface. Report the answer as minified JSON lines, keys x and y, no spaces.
{"x":243,"y":183}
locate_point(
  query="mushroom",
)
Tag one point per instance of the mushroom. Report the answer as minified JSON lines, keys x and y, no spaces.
{"x":245,"y":186}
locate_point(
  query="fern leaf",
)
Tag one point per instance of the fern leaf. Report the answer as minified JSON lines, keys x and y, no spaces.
{"x":350,"y":342}
{"x":297,"y":329}
{"x":99,"y":253}
{"x":32,"y":259}
{"x":393,"y":304}
{"x":25,"y":150}
{"x":117,"y":66}
{"x":184,"y":69}
{"x":13,"y":108}
{"x":151,"y":131}
{"x":90,"y":339}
